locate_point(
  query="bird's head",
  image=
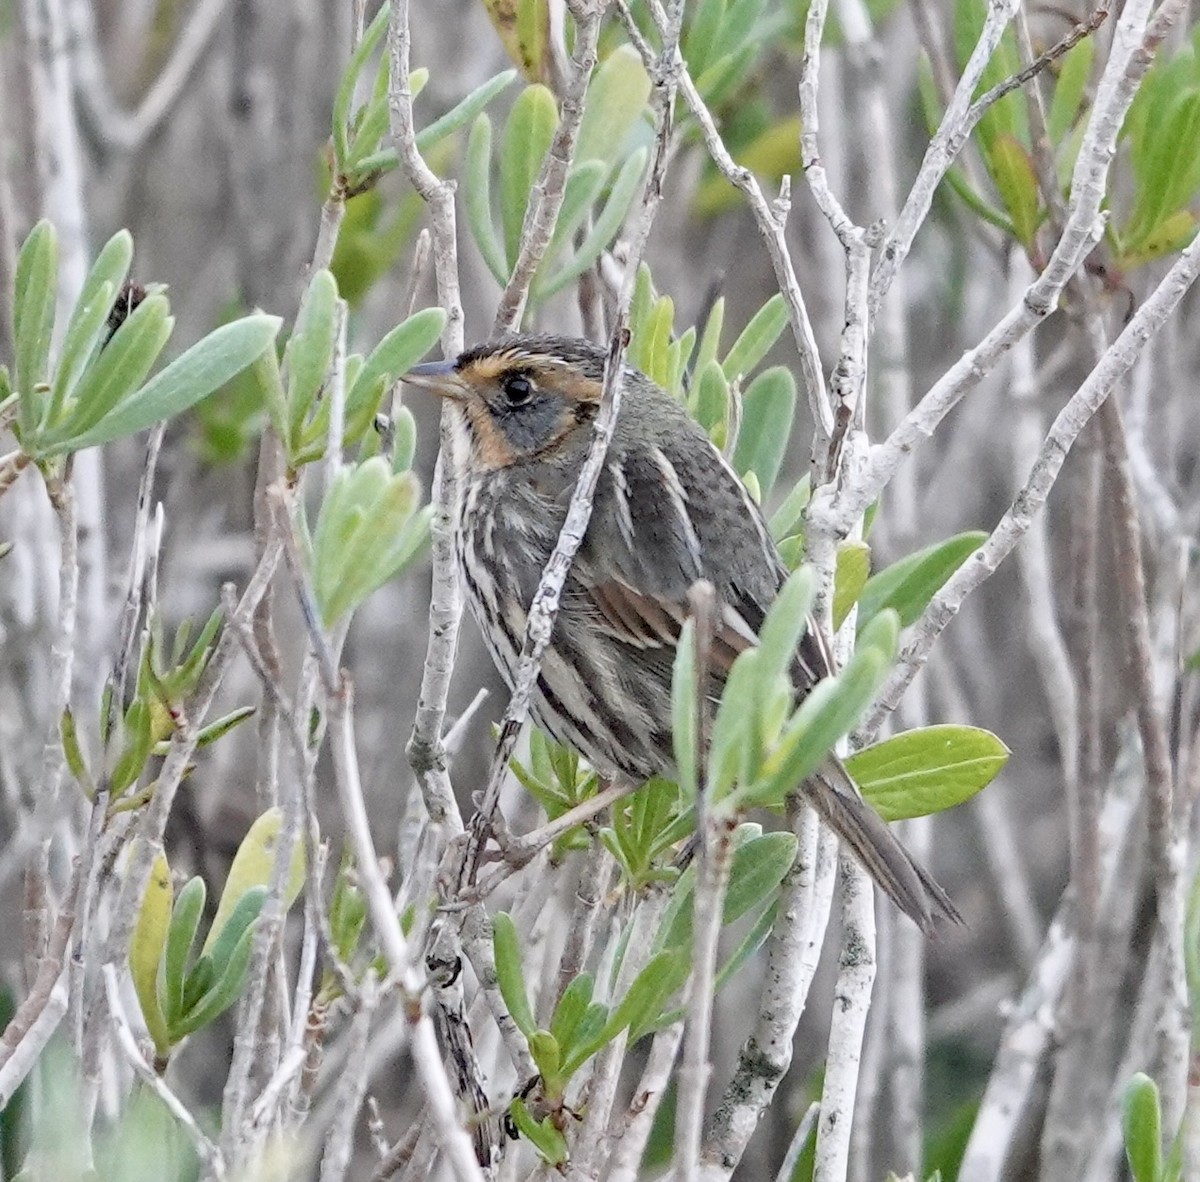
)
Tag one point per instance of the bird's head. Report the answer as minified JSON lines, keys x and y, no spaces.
{"x":519,"y":397}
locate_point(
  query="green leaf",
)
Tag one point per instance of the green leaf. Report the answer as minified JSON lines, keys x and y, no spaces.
{"x":205,"y":367}
{"x":251,"y":870}
{"x":220,"y":727}
{"x":784,"y":625}
{"x":404,"y":427}
{"x":702,"y":34}
{"x":758,"y":866}
{"x":544,"y":1137}
{"x":223,"y":994}
{"x":344,"y":97}
{"x":117,"y":372}
{"x":527,"y":136}
{"x":639,"y":1007}
{"x":370,"y":126}
{"x":756,"y":871}
{"x":1171,"y":234}
{"x":477,"y":185}
{"x":756,"y":339}
{"x":908,"y":585}
{"x":584,"y":186}
{"x":524,"y":28}
{"x":90,"y":316}
{"x":616,"y":101}
{"x":464,"y":111}
{"x":710,"y":402}
{"x":710,"y":340}
{"x":547,"y":1057}
{"x":146,"y":948}
{"x":733,"y":745}
{"x":657,"y":340}
{"x":830,"y":711}
{"x":570,"y":1010}
{"x":749,"y":946}
{"x":604,"y":229}
{"x":397,"y":353}
{"x":1012,"y":170}
{"x":788,"y":517}
{"x":185,"y":919}
{"x":926,"y":770}
{"x":309,"y":352}
{"x":34,"y":292}
{"x":849,"y":578}
{"x":1069,"y":90}
{"x":243,"y":915}
{"x":367,"y":531}
{"x":1141,"y":1122}
{"x":510,"y":976}
{"x":138,"y":744}
{"x":73,"y":753}
{"x":768,"y":407}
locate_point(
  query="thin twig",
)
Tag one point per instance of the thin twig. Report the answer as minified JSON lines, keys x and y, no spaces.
{"x":799,"y":1140}
{"x":793,"y":953}
{"x":351,"y":1089}
{"x":130,"y":130}
{"x":205,"y":1149}
{"x":1168,"y":844}
{"x":631,"y":1135}
{"x":1133,"y":48}
{"x":713,"y":856}
{"x":425,"y":751}
{"x":439,"y":1094}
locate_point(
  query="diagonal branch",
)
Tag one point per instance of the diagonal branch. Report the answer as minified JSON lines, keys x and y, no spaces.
{"x":1116,"y":362}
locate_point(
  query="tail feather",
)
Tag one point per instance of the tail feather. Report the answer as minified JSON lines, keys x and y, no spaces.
{"x":835,"y":797}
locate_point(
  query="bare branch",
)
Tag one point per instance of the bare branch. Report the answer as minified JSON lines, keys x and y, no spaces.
{"x":425,"y":750}
{"x":1070,"y":421}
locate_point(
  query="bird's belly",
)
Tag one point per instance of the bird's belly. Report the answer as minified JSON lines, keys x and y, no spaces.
{"x":620,"y":726}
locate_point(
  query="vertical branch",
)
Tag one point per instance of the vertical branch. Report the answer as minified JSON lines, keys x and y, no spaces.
{"x":1168,"y":848}
{"x":793,"y":952}
{"x":856,"y":976}
{"x":438,"y":1091}
{"x":771,"y":219}
{"x":426,"y":752}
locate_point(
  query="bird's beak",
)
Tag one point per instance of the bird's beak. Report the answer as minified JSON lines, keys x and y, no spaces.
{"x":438,"y":377}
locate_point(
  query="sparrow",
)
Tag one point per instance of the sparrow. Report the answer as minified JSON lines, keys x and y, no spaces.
{"x":668,"y":511}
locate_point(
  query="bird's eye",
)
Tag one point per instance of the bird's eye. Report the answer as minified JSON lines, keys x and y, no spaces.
{"x":518,"y":389}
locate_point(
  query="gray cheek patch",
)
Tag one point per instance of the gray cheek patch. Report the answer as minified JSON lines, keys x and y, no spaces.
{"x":530,"y":427}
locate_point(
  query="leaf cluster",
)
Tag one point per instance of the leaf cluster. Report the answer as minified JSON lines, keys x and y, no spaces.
{"x":750,"y":420}
{"x":99,"y":390}
{"x":181,"y":991}
{"x":606,"y":171}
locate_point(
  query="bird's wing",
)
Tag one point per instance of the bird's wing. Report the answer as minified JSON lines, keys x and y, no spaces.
{"x":668,"y":513}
